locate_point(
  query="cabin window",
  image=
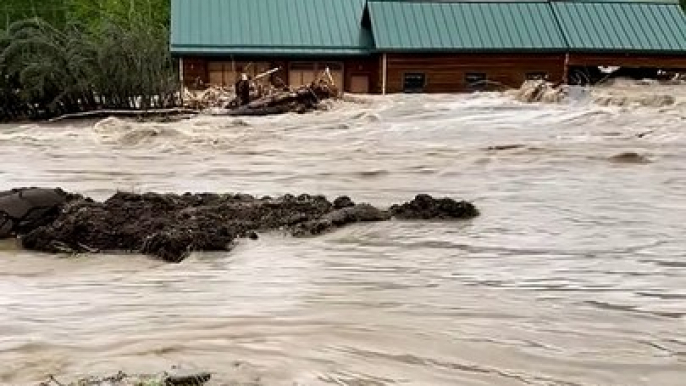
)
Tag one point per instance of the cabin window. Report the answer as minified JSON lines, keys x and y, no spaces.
{"x":475,"y":78}
{"x":414,"y":82}
{"x":540,"y":75}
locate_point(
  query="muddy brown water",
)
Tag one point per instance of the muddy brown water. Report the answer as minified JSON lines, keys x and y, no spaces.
{"x":575,"y":274}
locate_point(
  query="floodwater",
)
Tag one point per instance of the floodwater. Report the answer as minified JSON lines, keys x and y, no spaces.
{"x":575,"y":274}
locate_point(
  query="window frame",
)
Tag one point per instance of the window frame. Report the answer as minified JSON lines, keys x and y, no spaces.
{"x":417,"y":89}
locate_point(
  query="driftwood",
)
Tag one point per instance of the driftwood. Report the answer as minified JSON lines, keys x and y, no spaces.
{"x":123,"y":379}
{"x":264,"y":100}
{"x":126,"y":113}
{"x":302,"y":100}
{"x":540,"y":91}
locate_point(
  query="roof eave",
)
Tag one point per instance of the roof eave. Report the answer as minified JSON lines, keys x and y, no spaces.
{"x":507,"y":50}
{"x":626,"y":52}
{"x":272,"y":52}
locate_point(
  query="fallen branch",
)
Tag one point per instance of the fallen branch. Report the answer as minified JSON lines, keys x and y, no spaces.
{"x":125,"y":113}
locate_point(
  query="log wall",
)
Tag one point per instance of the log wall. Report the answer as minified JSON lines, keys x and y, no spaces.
{"x":364,"y":67}
{"x":197,"y":68}
{"x":194,"y":69}
{"x":448,"y":72}
{"x":628,"y":60}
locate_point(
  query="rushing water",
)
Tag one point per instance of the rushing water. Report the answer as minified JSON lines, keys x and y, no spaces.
{"x":575,"y":274}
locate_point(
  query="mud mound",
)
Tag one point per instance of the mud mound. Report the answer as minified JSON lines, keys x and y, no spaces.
{"x":425,"y":207}
{"x":25,"y":209}
{"x":171,"y":226}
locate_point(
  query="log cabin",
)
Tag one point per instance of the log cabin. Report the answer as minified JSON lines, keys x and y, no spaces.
{"x":391,"y":46}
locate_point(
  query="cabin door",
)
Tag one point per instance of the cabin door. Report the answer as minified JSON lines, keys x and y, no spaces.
{"x":301,"y":73}
{"x":359,"y":84}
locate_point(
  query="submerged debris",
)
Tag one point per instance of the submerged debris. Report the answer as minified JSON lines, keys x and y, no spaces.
{"x":644,"y":100}
{"x":261,"y":99}
{"x":614,"y":92}
{"x":301,"y":100}
{"x":540,"y":91}
{"x":123,"y":379}
{"x":171,"y":226}
{"x":630,"y":158}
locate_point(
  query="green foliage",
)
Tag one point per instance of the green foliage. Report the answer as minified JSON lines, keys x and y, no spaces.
{"x":155,"y":12}
{"x":102,"y":54}
{"x":88,"y":12}
{"x":14,"y":10}
{"x":46,"y":71}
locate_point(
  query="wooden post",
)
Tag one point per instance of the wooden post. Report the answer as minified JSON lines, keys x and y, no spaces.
{"x":384,"y":73}
{"x":181,"y":69}
{"x":565,"y":74}
{"x":181,"y":83}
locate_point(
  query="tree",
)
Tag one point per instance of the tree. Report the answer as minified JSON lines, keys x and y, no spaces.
{"x":101,"y":54}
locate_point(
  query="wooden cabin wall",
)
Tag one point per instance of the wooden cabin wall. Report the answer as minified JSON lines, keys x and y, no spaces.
{"x":354,"y":69}
{"x":628,"y":60}
{"x":447,"y":72}
{"x":360,"y":68}
{"x":194,"y":69}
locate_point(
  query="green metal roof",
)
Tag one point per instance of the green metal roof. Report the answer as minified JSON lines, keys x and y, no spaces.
{"x":268,"y":27}
{"x":336,"y":27}
{"x":465,"y":26}
{"x":622,"y":27}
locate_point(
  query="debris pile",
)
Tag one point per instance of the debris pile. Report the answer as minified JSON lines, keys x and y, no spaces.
{"x":540,"y":91}
{"x":301,"y":100}
{"x":171,"y":226}
{"x":123,"y":379}
{"x":213,"y":96}
{"x":614,"y":92}
{"x":254,"y":98}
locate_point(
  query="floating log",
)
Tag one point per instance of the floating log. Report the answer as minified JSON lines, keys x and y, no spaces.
{"x":126,"y":113}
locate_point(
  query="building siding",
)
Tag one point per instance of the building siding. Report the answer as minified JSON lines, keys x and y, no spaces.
{"x":628,"y":60}
{"x":194,"y":70}
{"x":444,"y":41}
{"x":197,"y":68}
{"x":446,"y":73}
